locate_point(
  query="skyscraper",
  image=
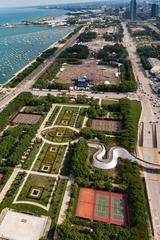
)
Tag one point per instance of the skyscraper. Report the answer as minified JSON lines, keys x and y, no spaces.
{"x":133,"y":10}
{"x":154,"y":10}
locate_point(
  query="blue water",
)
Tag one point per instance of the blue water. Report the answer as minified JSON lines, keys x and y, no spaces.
{"x":19,"y":46}
{"x":16,"y":15}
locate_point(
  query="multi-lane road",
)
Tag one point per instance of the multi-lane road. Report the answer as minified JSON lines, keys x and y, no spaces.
{"x":149,"y":150}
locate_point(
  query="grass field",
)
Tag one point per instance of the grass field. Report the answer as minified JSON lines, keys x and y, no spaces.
{"x":60,"y":135}
{"x":51,"y":157}
{"x":40,"y":183}
{"x":68,"y":116}
{"x":108,"y":102}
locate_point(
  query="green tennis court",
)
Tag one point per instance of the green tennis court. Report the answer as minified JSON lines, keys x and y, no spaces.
{"x":117,"y":209}
{"x":102,"y":206}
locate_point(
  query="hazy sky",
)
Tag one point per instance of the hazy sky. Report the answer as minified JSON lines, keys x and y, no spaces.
{"x":11,"y":3}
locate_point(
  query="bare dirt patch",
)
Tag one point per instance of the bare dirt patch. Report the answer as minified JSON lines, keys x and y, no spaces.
{"x":97,"y":74}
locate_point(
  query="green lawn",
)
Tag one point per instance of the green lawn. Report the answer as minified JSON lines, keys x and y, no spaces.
{"x":106,"y":102}
{"x":42,"y":183}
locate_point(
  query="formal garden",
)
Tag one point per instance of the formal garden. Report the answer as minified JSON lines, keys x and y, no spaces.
{"x":50,"y":164}
{"x":49,"y":159}
{"x":68,"y":116}
{"x":37,"y":189}
{"x":60,"y":134}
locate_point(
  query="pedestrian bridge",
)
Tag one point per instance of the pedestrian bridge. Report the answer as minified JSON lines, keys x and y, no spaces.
{"x":109,"y":161}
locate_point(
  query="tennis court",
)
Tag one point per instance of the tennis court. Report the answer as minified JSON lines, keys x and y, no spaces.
{"x":102,"y":206}
{"x":106,"y":125}
{"x":26,"y":118}
{"x":118,"y":209}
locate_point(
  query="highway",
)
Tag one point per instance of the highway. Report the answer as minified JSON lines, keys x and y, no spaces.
{"x":150,"y":116}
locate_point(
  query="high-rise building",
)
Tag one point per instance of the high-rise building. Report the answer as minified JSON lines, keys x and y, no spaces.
{"x":154,"y":10}
{"x":133,"y":10}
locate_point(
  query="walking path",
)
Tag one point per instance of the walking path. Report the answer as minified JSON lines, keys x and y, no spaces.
{"x":65,"y":203}
{"x":77,"y":117}
{"x":85,"y":121}
{"x":114,"y":154}
{"x":58,"y":143}
{"x":57,"y":116}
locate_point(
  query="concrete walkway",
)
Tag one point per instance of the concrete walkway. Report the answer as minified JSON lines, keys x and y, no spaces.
{"x":65,"y":203}
{"x":85,"y":122}
{"x":58,"y":143}
{"x":114,"y":154}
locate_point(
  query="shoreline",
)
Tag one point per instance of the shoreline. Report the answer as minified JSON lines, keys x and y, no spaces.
{"x":34,"y":60}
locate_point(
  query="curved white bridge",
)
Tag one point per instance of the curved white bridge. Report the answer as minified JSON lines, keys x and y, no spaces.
{"x":111,"y":160}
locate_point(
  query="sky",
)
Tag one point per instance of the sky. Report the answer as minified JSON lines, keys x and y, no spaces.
{"x":13,"y":3}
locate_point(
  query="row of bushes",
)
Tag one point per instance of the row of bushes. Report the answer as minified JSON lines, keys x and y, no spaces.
{"x":130,"y":111}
